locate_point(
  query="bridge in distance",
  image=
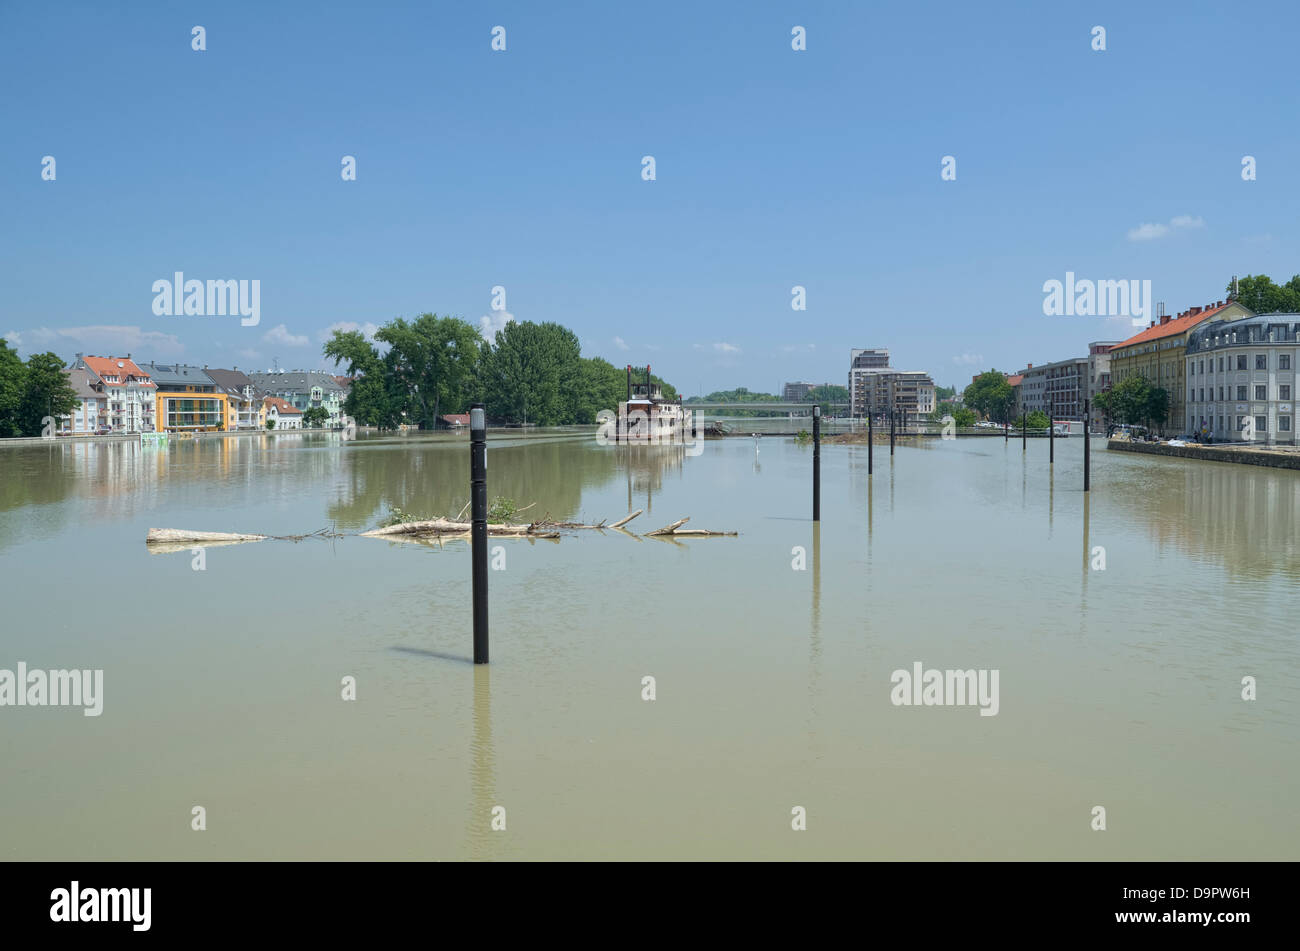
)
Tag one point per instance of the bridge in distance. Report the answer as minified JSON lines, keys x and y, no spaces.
{"x":836,"y":409}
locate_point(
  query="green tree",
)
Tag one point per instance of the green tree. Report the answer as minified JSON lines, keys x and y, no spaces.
{"x":432,"y":360}
{"x":941,"y":393}
{"x":46,"y":392}
{"x":962,"y":416}
{"x":531,"y":374}
{"x":1260,"y":294}
{"x":1037,"y":420}
{"x":315,"y":416}
{"x":270,"y":424}
{"x":991,"y":395}
{"x":13,"y":378}
{"x":1135,"y":401}
{"x":373,"y":397}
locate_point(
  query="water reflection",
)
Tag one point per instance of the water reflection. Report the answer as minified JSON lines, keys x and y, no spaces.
{"x":483,"y":794}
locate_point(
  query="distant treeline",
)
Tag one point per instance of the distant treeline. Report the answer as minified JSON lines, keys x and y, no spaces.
{"x":825,"y":395}
{"x":432,"y":366}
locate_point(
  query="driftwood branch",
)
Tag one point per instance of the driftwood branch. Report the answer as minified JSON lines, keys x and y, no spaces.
{"x":676,"y":531}
{"x":623,"y":521}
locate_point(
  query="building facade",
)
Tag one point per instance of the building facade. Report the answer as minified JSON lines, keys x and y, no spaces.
{"x":794,"y":392}
{"x":863,"y":365}
{"x":91,"y":414}
{"x":1241,"y":379}
{"x":304,"y":390}
{"x":1158,"y":353}
{"x":188,"y":399}
{"x":282,"y":413}
{"x":127,"y":392}
{"x":245,"y":407}
{"x":1098,"y":380}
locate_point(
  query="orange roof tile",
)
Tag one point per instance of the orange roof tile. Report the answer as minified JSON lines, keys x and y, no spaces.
{"x":1176,"y":325}
{"x":117,"y":366}
{"x":282,"y":407}
{"x":1016,"y":379}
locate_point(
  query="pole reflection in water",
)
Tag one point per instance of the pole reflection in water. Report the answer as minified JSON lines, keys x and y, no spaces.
{"x":482,"y":838}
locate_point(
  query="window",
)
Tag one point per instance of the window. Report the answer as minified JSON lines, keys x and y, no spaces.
{"x":1261,"y":361}
{"x":1284,"y":361}
{"x":1220,"y":424}
{"x":1241,"y":393}
{"x":1202,"y":367}
{"x":1284,"y":424}
{"x":1241,"y":423}
{"x":1261,"y":424}
{"x":1220,"y":364}
{"x":1241,"y":361}
{"x":1220,"y":393}
{"x":1261,"y":391}
{"x":1284,"y":391}
{"x":1202,"y":394}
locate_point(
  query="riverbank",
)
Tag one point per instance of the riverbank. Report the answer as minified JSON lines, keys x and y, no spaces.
{"x":1277,"y":458}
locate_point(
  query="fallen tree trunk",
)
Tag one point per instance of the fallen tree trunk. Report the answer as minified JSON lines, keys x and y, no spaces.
{"x":623,"y":521}
{"x":159,"y":536}
{"x":676,"y":531}
{"x":444,"y":526}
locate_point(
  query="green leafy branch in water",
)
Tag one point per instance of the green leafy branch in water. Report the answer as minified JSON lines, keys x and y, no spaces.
{"x":803,"y":437}
{"x":501,"y":510}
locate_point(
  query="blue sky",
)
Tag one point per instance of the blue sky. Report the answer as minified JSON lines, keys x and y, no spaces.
{"x":522,"y":168}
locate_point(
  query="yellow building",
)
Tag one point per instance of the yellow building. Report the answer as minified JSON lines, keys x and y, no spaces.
{"x":188,"y":400}
{"x":1158,"y":353}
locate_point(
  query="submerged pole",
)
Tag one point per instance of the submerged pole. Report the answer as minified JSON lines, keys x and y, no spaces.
{"x":1024,"y":431}
{"x":1051,"y":441}
{"x":817,"y":463}
{"x":478,"y":527}
{"x":1087,"y":442}
{"x":891,"y":430}
{"x":870,"y":440}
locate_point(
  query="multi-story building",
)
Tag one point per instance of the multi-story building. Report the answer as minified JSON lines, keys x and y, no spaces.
{"x":245,"y":407}
{"x":794,"y":392}
{"x":907,"y":394}
{"x":127,"y":391}
{"x":1057,"y":389}
{"x":188,"y":399}
{"x":282,"y":413}
{"x":304,"y":390}
{"x":1098,"y":379}
{"x":1241,"y":379}
{"x":91,"y":414}
{"x":863,"y":365}
{"x":1158,"y":353}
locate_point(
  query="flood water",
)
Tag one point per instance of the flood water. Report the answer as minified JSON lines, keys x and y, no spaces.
{"x":1119,"y":688}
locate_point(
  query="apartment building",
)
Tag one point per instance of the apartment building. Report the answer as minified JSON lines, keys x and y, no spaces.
{"x":245,"y":407}
{"x":188,"y":399}
{"x":1241,"y":379}
{"x":127,"y":392}
{"x":304,"y":390}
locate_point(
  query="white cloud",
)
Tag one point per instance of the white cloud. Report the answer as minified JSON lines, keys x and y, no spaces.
{"x":249,"y":354}
{"x":718,"y":347}
{"x":108,"y":339}
{"x":969,"y":359}
{"x":1151,"y":232}
{"x":367,"y":329}
{"x":280,"y":334}
{"x":619,"y":342}
{"x":491,"y":324}
{"x":14,"y":339}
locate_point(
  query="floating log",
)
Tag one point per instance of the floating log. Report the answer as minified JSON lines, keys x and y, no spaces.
{"x":444,"y":526}
{"x":159,"y":536}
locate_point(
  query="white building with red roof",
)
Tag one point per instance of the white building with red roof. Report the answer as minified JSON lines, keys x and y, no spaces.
{"x":128,"y":392}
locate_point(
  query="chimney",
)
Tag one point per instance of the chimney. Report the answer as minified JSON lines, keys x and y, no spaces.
{"x":1193,"y":312}
{"x":1164,"y":319}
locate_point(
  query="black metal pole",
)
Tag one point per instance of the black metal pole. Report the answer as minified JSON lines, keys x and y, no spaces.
{"x":891,"y":430}
{"x":1024,"y":431}
{"x":817,"y":463}
{"x":478,"y":527}
{"x":1087,"y":461}
{"x":1051,"y":441}
{"x":870,"y":440}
